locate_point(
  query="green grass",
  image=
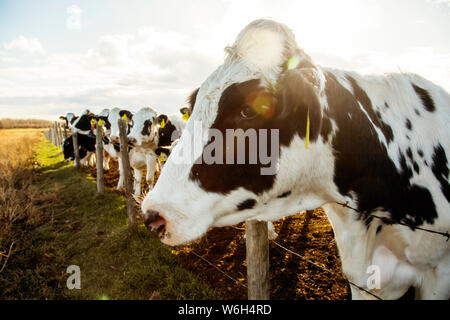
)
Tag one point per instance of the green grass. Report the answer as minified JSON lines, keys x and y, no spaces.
{"x":84,"y":229}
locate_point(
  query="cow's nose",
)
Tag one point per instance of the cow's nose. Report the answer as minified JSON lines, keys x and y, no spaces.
{"x":155,"y":223}
{"x":132,"y":140}
{"x":114,"y":138}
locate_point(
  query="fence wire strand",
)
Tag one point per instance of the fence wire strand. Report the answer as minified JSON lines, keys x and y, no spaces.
{"x":392,"y":221}
{"x":218,"y":269}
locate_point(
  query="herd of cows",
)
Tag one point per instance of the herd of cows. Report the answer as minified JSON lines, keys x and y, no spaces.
{"x":151,"y":136}
{"x":357,"y":146}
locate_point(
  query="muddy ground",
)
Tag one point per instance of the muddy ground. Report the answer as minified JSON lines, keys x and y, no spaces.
{"x":291,"y":277}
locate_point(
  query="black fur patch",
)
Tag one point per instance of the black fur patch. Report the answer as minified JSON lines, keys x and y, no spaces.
{"x":146,"y":128}
{"x":423,"y":94}
{"x":408,"y":124}
{"x":440,"y":169}
{"x":165,"y":134}
{"x":247,"y":204}
{"x":363,"y":166}
{"x":362,"y":97}
{"x":284,"y":194}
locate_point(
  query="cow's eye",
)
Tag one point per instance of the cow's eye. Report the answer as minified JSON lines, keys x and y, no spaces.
{"x":248,"y":112}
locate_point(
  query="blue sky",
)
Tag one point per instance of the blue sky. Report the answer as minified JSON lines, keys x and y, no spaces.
{"x":139,"y":53}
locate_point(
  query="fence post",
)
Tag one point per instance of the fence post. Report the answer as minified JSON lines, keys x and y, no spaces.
{"x":128,"y":178}
{"x":257,"y":244}
{"x":76,"y":150}
{"x":58,"y":126}
{"x":57,"y":134}
{"x":99,"y":156}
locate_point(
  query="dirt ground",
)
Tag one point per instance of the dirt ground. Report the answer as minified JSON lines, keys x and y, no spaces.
{"x":291,"y":277}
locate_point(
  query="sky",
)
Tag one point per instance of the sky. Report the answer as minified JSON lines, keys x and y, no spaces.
{"x":59,"y":56}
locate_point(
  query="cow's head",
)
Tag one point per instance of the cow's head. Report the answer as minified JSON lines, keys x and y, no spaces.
{"x":167,"y":131}
{"x":144,"y":132}
{"x":69,"y":119}
{"x":266,"y":86}
{"x":103,"y":117}
{"x":114,"y":115}
{"x":83,"y":124}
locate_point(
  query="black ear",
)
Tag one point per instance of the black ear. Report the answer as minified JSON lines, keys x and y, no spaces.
{"x":63,"y":118}
{"x":192,"y":98}
{"x":298,"y":96}
{"x":128,"y":113}
{"x":160,"y":150}
{"x":186,"y":110}
{"x":161,"y":117}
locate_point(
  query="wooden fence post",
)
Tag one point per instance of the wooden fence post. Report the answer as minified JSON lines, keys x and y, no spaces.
{"x":128,"y":178}
{"x":99,"y":156}
{"x":58,"y":126}
{"x":57,"y":134}
{"x":76,"y":150}
{"x":257,"y":244}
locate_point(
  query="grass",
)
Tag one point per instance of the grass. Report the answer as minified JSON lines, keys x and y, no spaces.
{"x":90,"y":231}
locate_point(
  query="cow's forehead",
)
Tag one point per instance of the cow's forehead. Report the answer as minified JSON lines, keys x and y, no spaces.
{"x":144,"y":114}
{"x":208,"y":96}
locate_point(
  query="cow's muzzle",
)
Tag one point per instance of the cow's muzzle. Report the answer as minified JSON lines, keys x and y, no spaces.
{"x":155,"y":223}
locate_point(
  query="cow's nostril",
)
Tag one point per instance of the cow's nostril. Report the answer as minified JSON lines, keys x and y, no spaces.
{"x":155,"y":223}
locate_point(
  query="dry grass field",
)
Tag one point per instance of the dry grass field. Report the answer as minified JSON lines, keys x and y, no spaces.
{"x":18,"y":197}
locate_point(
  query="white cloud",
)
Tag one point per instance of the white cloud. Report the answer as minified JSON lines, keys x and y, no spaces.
{"x":73,"y":21}
{"x":24,"y":44}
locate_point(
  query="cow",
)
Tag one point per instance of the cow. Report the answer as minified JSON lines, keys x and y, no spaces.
{"x":152,"y":131}
{"x":85,"y":125}
{"x":137,"y":156}
{"x":69,"y":119}
{"x":143,"y":140}
{"x":378,"y":144}
{"x":86,"y":147}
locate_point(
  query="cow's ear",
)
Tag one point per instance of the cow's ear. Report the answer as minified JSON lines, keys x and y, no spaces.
{"x":160,"y":118}
{"x":185,"y":110}
{"x":129,"y":114}
{"x":192,"y":98}
{"x":63,"y":118}
{"x":298,"y":98}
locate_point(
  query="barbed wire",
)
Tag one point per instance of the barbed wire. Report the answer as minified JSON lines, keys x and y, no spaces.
{"x":218,"y":269}
{"x":392,"y":221}
{"x":339,"y":278}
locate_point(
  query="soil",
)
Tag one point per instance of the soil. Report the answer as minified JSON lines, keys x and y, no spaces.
{"x":291,"y":277}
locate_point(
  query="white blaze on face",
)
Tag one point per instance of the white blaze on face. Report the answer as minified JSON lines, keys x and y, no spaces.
{"x":144,"y":129}
{"x":113,"y":118}
{"x":258,"y":53}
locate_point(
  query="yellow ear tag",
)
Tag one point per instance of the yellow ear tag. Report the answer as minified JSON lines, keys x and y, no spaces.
{"x":93,"y":121}
{"x":124,"y":117}
{"x":162,"y":157}
{"x":100,"y":122}
{"x":307,"y":131}
{"x":186,"y":116}
{"x":163,"y":124}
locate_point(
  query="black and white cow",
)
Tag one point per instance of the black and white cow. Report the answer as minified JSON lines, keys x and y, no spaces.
{"x":69,"y":119}
{"x":143,"y":140}
{"x":86,"y":147}
{"x":378,"y":143}
{"x":151,"y":132}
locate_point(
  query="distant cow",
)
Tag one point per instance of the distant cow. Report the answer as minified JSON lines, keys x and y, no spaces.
{"x":86,"y":147}
{"x":69,"y":119}
{"x":379,"y":144}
